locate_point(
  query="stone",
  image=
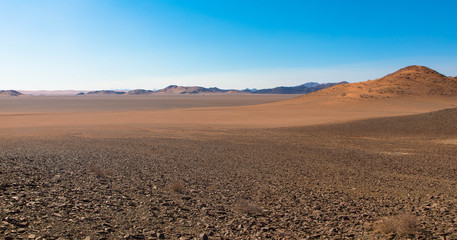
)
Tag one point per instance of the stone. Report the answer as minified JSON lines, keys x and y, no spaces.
{"x":203,"y":236}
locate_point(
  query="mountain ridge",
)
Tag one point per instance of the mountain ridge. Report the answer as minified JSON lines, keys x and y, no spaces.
{"x":175,"y":89}
{"x":300,"y":89}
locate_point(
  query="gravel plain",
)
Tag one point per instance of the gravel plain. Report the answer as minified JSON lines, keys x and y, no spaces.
{"x":339,"y":181}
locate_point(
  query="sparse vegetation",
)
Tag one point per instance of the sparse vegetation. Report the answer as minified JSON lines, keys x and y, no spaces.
{"x":177,"y":187}
{"x":99,"y":172}
{"x":404,"y":224}
{"x":248,"y":207}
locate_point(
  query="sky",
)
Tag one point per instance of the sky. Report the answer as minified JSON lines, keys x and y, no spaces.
{"x":230,"y":44}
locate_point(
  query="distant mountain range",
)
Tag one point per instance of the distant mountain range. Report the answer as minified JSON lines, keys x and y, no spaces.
{"x":300,"y":89}
{"x":409,"y":81}
{"x":174,"y":89}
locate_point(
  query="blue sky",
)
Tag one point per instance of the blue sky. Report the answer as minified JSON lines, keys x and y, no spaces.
{"x":114,"y":44}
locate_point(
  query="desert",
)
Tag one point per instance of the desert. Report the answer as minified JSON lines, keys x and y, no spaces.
{"x":221,"y":120}
{"x":367,"y":160}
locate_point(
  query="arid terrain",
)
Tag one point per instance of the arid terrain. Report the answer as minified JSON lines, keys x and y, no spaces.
{"x":370,"y":160}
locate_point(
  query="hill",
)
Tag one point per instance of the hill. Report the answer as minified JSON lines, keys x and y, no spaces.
{"x":174,"y":89}
{"x":10,"y":93}
{"x":139,"y":92}
{"x":105,"y":92}
{"x":300,"y":89}
{"x":413,"y":80}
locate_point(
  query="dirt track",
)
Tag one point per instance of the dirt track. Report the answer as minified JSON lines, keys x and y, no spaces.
{"x":329,"y":181}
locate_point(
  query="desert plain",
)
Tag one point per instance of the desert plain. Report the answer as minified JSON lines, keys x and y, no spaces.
{"x":369,"y":160}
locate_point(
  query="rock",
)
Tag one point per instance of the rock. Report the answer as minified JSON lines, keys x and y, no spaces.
{"x":31,"y":236}
{"x":203,"y":236}
{"x":22,"y":224}
{"x":331,"y":231}
{"x":138,"y":236}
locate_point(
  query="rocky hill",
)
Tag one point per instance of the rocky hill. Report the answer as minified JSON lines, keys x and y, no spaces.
{"x":105,"y":92}
{"x":140,"y":92}
{"x":174,"y":89}
{"x":409,"y":81}
{"x":300,"y":89}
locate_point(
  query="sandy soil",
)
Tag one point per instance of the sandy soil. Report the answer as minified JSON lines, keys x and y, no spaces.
{"x":166,"y":113}
{"x":40,"y":104}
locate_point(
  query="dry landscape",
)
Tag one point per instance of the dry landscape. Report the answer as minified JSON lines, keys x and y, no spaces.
{"x":369,"y":160}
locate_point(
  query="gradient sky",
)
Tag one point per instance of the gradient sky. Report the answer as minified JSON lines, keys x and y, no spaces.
{"x":126,"y":44}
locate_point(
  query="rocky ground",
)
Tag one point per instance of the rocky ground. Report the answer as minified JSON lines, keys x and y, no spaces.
{"x":389,"y":178}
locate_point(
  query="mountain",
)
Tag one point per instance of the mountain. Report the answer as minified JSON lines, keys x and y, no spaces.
{"x":301,"y":89}
{"x":174,"y":89}
{"x":105,"y":92}
{"x":409,"y":81}
{"x":139,"y":92}
{"x":10,"y":93}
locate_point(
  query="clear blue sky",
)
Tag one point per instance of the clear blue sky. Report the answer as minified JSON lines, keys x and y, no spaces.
{"x":116,"y":44}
